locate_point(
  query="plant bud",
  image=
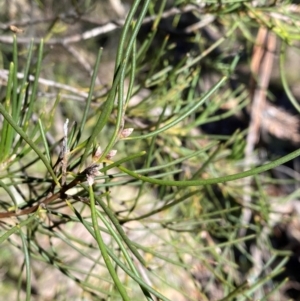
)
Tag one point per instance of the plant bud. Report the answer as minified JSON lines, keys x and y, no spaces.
{"x":111,"y":154}
{"x":126,"y":132}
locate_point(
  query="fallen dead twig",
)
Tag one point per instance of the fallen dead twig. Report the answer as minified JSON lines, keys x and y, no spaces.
{"x":92,"y":33}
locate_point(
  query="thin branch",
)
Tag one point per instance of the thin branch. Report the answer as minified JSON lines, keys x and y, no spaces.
{"x":61,"y":194}
{"x":46,"y":82}
{"x":82,"y":61}
{"x":97,"y":31}
{"x":27,"y":22}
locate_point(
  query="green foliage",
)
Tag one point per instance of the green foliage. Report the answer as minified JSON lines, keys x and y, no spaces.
{"x":163,"y":219}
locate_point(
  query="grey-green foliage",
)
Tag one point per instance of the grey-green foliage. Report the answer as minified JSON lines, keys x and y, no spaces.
{"x":159,"y":220}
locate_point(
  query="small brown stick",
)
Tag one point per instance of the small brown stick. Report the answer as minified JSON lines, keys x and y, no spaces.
{"x":90,"y":171}
{"x":261,"y":67}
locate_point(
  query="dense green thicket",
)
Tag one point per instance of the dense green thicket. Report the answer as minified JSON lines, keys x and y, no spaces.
{"x":149,"y":150}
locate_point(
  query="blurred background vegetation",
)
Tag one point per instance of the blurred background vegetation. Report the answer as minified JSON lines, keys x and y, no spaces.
{"x":210,"y":90}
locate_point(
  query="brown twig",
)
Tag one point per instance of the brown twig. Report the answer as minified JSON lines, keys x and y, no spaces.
{"x":261,"y":67}
{"x":89,"y":172}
